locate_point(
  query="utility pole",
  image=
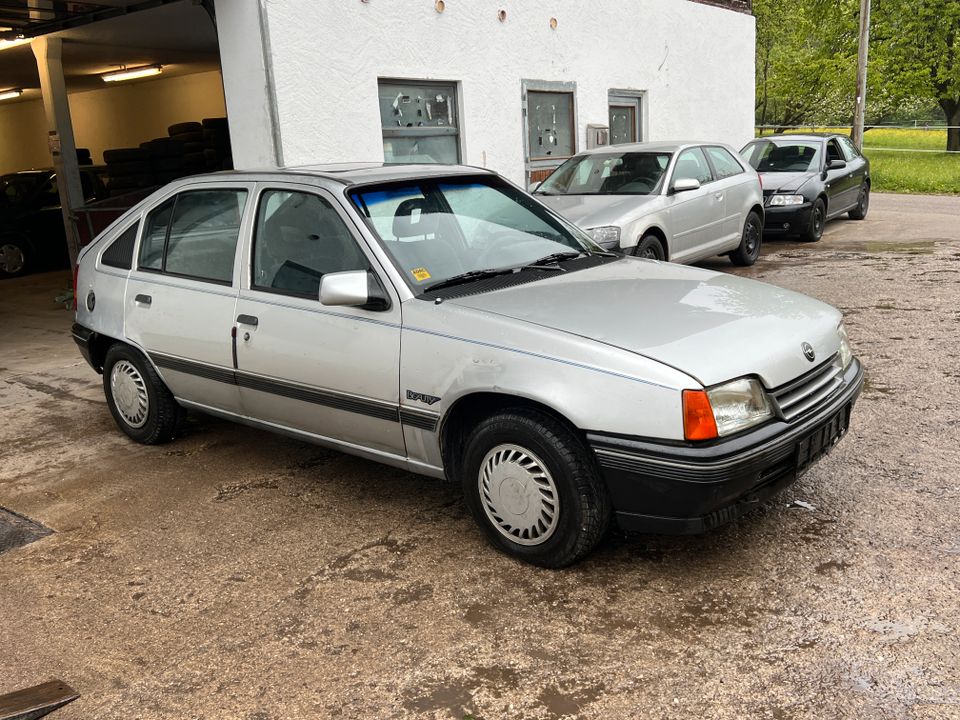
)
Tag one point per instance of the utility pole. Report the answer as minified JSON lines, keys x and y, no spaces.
{"x":862,"y":48}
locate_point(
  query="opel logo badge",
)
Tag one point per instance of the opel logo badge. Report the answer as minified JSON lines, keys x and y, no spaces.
{"x":808,"y":351}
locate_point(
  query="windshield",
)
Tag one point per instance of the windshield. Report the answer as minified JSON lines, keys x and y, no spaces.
{"x":613,"y":173}
{"x":435,"y":230}
{"x":788,"y":156}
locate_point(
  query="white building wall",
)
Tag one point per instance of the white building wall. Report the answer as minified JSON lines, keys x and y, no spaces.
{"x":695,"y":63}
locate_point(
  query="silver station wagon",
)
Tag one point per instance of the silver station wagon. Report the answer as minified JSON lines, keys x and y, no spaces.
{"x":681,"y":202}
{"x":439,"y":319}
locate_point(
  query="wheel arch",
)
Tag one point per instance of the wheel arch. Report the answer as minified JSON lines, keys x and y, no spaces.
{"x":470,"y":409}
{"x":660,"y":234}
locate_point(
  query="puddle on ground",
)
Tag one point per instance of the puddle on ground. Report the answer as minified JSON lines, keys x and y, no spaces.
{"x":916,"y":247}
{"x":560,"y":704}
{"x":872,"y":387}
{"x":17,"y":530}
{"x":826,"y":567}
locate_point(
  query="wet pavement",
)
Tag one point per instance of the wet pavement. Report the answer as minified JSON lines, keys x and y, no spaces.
{"x":234,"y":573}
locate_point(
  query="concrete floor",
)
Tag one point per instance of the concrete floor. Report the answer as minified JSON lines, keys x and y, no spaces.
{"x":238,"y":574}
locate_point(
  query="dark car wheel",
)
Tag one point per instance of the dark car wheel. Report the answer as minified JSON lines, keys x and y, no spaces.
{"x":533,"y":487}
{"x":818,"y":216}
{"x":14,"y":257}
{"x":863,"y":204}
{"x":649,"y":247}
{"x":140,"y":403}
{"x":749,"y":249}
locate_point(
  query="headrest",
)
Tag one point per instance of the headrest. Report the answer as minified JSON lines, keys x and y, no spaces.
{"x":414,"y":218}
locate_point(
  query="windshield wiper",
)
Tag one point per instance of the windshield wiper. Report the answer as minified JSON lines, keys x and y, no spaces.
{"x":466,"y":277}
{"x":550,"y":262}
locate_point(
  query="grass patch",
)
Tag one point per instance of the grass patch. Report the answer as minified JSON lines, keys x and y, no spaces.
{"x":906,"y":172}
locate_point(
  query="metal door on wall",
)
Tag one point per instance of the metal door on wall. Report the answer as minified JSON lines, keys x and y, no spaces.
{"x":624,"y":119}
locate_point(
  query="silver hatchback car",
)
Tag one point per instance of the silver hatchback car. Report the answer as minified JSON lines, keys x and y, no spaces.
{"x":681,"y":202}
{"x":439,"y":319}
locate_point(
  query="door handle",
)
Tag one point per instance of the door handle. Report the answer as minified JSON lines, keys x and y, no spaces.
{"x":143,"y":299}
{"x":719,"y":196}
{"x":248,"y":320}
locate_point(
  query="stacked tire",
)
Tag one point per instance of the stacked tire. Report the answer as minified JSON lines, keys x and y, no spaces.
{"x":166,"y":158}
{"x":190,"y":136}
{"x":128,"y":169}
{"x":216,"y":143}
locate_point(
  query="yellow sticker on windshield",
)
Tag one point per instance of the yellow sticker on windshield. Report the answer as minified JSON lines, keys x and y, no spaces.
{"x":420,"y":274}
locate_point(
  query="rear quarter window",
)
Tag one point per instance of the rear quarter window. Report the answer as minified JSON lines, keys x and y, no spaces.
{"x":119,"y":254}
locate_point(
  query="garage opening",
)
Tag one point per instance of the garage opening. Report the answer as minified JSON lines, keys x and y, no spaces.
{"x":144,"y":106}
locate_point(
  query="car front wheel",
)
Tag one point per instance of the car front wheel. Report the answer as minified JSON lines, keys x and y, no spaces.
{"x":13,"y":257}
{"x":649,"y":247}
{"x":818,"y":216}
{"x":140,"y":403}
{"x":863,"y":204}
{"x":749,"y":249}
{"x":534,"y":488}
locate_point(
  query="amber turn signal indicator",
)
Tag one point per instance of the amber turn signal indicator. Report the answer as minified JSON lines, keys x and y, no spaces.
{"x":698,"y":422}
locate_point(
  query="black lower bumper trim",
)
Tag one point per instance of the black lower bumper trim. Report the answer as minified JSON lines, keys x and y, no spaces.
{"x":691,"y":488}
{"x":83,"y":336}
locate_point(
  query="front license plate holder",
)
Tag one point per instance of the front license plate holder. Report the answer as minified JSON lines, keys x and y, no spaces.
{"x":821,"y":441}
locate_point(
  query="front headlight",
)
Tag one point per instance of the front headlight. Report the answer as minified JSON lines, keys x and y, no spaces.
{"x":781,"y":200}
{"x":846,"y":352}
{"x":738,"y":405}
{"x":607,"y":237}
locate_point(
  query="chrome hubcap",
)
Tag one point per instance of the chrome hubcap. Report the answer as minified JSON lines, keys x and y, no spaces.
{"x":11,"y":258}
{"x":518,"y":495}
{"x":129,"y":393}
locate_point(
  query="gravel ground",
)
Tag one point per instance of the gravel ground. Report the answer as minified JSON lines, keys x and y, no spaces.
{"x":238,"y":574}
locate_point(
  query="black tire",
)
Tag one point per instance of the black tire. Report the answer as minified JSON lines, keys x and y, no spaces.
{"x":183,"y":128}
{"x":749,"y":249}
{"x":581,"y":503}
{"x":164,"y":148}
{"x":217,"y":122}
{"x":649,"y":247}
{"x":162,"y":417}
{"x":15,"y":257}
{"x":170,"y":163}
{"x":863,"y":204}
{"x":189,"y":137}
{"x":128,"y":168}
{"x":124,"y":155}
{"x":818,"y":218}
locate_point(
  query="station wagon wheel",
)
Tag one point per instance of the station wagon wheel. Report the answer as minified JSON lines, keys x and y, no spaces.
{"x":818,"y":216}
{"x":13,"y":257}
{"x":863,"y":204}
{"x":749,"y":248}
{"x":650,"y":248}
{"x":533,"y":486}
{"x":140,"y":403}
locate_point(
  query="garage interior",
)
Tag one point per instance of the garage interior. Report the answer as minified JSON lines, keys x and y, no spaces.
{"x":109,"y":139}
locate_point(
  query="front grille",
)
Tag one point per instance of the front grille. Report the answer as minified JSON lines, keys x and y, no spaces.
{"x":809,"y":391}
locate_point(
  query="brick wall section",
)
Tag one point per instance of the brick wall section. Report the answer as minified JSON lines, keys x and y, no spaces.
{"x":744,"y":6}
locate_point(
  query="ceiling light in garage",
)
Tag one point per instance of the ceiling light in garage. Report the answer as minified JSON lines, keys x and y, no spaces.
{"x":10,"y":94}
{"x":6,"y":44}
{"x":132,"y":73}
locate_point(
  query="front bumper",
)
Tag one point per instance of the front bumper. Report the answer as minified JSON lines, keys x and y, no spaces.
{"x":689,"y":488}
{"x":786,"y":220}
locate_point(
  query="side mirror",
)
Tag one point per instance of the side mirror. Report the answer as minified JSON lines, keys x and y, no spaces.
{"x":685,"y":185}
{"x":534,"y":186}
{"x":836,"y":165}
{"x":353,"y":288}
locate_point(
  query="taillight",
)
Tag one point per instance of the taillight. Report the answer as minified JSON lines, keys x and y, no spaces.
{"x":698,"y":420}
{"x":76,"y":289}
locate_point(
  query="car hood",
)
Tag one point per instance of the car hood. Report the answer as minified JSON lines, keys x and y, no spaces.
{"x":712,"y":326}
{"x":785,"y":181}
{"x":590,"y":211}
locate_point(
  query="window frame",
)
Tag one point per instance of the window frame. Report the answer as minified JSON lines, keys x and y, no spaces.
{"x":549,"y":163}
{"x":245,"y":189}
{"x":676,"y":161}
{"x":421,"y":132}
{"x":250,"y":269}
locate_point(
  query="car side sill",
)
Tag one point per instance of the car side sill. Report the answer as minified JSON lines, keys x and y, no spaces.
{"x":379,"y":456}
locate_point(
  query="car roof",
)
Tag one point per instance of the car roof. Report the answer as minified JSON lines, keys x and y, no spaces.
{"x":799,"y":136}
{"x":353,"y":173}
{"x":669,"y":146}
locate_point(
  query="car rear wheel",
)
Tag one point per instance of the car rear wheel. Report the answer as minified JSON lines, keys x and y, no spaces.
{"x":534,"y":488}
{"x":863,"y":204}
{"x":13,"y":257}
{"x":749,"y":249}
{"x":140,"y":403}
{"x":649,"y":247}
{"x":818,"y":216}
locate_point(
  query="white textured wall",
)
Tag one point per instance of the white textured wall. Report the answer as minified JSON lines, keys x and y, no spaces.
{"x":694,"y":61}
